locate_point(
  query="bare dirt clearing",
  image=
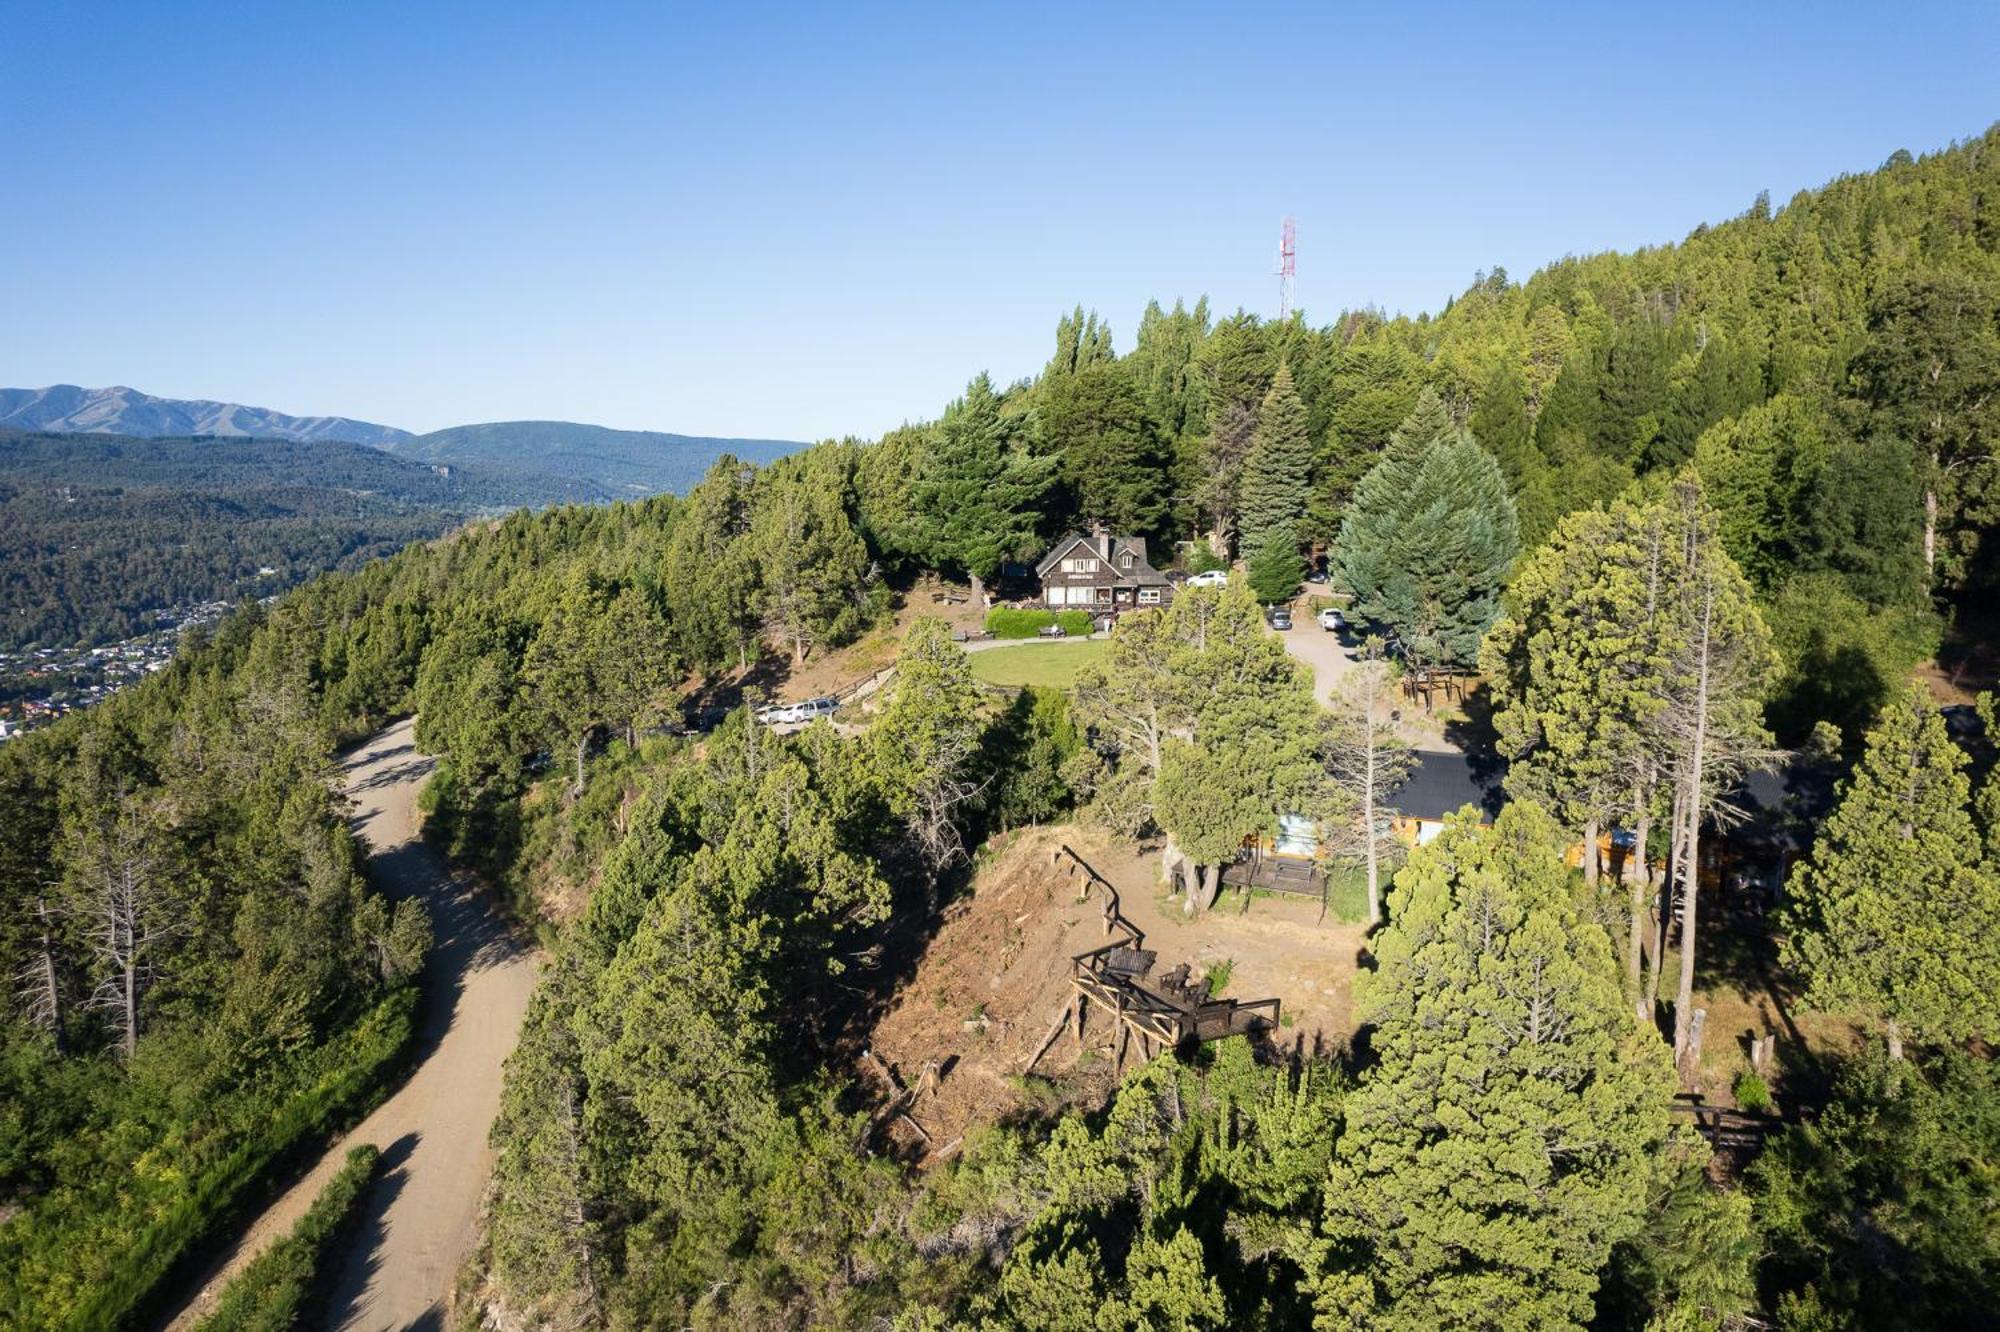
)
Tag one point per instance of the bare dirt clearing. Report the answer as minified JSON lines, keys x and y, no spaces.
{"x":997,"y":974}
{"x":840,"y":669}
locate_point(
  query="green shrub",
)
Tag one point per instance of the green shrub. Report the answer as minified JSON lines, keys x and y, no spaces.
{"x":1275,"y":570}
{"x":1201,"y":558}
{"x":88,"y":1256}
{"x":1752,"y":1092}
{"x":1347,"y":893}
{"x":277,"y":1288}
{"x":1026,"y":622}
{"x":1219,"y":974}
{"x":1842,"y":659}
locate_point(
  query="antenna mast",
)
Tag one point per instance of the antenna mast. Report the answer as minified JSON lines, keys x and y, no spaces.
{"x":1288,"y":269}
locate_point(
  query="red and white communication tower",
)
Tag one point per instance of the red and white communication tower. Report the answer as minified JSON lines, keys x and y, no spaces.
{"x":1288,"y":269}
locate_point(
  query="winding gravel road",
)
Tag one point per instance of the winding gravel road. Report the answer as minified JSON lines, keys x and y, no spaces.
{"x":421,"y":1218}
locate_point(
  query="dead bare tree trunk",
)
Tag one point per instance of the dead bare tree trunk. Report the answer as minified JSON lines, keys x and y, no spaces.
{"x":40,"y":980}
{"x":1639,"y":875}
{"x":1931,"y":525}
{"x":130,"y":918}
{"x":1370,"y":764}
{"x":1374,"y":865}
{"x":582,"y":752}
{"x":1590,"y":831}
{"x":1649,"y":1003}
{"x":1691,"y":874}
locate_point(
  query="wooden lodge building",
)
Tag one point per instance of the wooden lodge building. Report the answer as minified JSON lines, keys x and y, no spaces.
{"x":1101,"y":573}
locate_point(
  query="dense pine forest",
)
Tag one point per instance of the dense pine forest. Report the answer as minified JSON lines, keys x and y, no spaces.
{"x":1691,"y":514}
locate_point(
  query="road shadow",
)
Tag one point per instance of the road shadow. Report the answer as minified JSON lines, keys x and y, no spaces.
{"x":412,"y":769}
{"x":360,"y":758}
{"x":467,"y":936}
{"x":363,"y":1258}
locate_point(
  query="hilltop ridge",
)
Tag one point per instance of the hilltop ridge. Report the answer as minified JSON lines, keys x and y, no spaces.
{"x":118,"y":410}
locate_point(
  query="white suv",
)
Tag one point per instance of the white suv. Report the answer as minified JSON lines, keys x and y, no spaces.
{"x":1213,"y":578}
{"x":1332,"y":620}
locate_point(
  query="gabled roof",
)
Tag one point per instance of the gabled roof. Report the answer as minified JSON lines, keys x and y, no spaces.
{"x":1140,"y":572}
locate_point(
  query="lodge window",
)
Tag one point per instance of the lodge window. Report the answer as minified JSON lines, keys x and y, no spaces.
{"x":1149,"y":596}
{"x":1077,"y":566}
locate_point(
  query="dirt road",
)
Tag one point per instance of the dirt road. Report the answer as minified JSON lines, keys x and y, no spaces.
{"x":420,"y":1220}
{"x":1330,"y":655}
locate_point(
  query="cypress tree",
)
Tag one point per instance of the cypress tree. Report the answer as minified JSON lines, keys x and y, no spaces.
{"x":1275,"y":570}
{"x":1113,"y":465}
{"x":1509,"y":1133}
{"x":1503,"y":425}
{"x":979,"y":494}
{"x":1575,"y":668}
{"x":1081,"y":342}
{"x":1893,"y":915}
{"x":1277,"y":474}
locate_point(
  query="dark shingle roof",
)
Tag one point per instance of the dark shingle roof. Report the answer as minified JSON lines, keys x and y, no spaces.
{"x":1441,"y":782}
{"x":1142,"y":573}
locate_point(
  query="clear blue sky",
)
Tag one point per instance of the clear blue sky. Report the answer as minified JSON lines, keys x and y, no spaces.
{"x":820,"y":220}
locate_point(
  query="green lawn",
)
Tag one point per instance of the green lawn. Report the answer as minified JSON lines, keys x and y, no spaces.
{"x":1053,"y":665}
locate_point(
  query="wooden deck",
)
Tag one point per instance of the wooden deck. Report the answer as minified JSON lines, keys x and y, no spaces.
{"x":1276,"y":874}
{"x":1164,"y":1011}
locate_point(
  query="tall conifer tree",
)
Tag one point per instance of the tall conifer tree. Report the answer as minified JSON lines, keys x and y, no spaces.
{"x":1430,"y":537}
{"x":979,"y":494}
{"x":1509,"y":1133}
{"x":1894,"y":915}
{"x":1277,"y":473}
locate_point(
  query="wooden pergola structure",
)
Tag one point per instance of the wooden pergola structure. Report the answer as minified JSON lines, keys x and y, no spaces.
{"x":1163,"y":1011}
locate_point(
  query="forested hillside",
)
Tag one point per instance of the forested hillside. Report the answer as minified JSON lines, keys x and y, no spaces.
{"x":99,"y":532}
{"x":625,"y":463}
{"x":1684,"y":507}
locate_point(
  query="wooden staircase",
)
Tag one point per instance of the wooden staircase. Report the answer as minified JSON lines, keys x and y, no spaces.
{"x":1164,"y":1011}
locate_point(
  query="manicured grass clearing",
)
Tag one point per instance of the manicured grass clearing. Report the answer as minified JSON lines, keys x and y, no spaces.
{"x":1052,"y":665}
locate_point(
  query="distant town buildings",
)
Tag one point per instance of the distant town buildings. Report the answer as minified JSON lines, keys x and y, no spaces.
{"x":39,"y":685}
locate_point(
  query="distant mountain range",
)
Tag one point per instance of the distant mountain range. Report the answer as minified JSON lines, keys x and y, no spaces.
{"x":67,"y":409}
{"x":115,"y":504}
{"x":562,"y":456}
